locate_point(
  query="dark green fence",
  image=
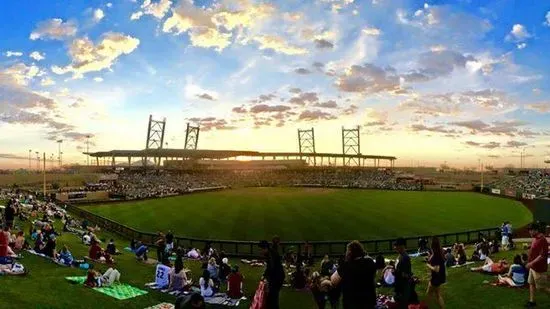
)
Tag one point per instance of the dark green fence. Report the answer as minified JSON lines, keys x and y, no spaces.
{"x":249,"y":249}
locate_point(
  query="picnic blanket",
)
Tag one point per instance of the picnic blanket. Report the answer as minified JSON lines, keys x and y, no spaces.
{"x":119,"y":291}
{"x":162,"y":306}
{"x":465,"y":264}
{"x":47,"y":258}
{"x":218,"y":298}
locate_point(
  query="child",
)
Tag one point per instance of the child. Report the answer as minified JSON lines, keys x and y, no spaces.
{"x":516,"y":275}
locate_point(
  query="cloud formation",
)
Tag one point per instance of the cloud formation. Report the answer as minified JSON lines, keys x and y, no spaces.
{"x":53,"y":29}
{"x":10,"y":53}
{"x":89,"y":57}
{"x":37,"y":56}
{"x":156,"y":9}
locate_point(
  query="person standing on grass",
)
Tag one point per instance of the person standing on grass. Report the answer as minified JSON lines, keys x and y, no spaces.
{"x":405,"y":293}
{"x":274,"y":273}
{"x":537,"y":262}
{"x":357,"y":277}
{"x":161,"y":247}
{"x":436,"y":264}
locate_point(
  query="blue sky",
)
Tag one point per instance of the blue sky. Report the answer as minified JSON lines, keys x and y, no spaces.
{"x":453,"y":81}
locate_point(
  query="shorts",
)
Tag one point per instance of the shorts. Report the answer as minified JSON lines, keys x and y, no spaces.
{"x":505,"y":240}
{"x":539,"y":280}
{"x":487,"y":268}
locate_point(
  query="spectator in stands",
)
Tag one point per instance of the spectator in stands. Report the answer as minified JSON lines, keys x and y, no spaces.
{"x":162,"y":274}
{"x":357,"y":277}
{"x":516,"y":275}
{"x":178,"y":277}
{"x":537,"y":261}
{"x":206,"y":284}
{"x":491,"y":267}
{"x":192,"y":301}
{"x":449,"y":258}
{"x":235,"y":283}
{"x":404,"y":287}
{"x":436,"y":264}
{"x":274,"y":274}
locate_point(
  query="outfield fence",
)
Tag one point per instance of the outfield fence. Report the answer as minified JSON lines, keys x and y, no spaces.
{"x":249,"y":249}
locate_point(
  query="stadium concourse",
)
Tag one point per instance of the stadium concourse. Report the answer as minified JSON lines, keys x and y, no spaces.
{"x":203,"y":277}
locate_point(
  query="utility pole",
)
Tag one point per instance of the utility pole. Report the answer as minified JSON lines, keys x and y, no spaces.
{"x":481,"y":177}
{"x":30,"y":167}
{"x":37,"y":160}
{"x":44,"y":174}
{"x":87,"y":150}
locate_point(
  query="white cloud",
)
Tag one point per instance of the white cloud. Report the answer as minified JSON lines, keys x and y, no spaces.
{"x":521,"y":45}
{"x":278,"y":44}
{"x":210,"y":38}
{"x":156,"y":9}
{"x":98,"y":79}
{"x":22,"y":74}
{"x":88,"y":57}
{"x":109,"y":5}
{"x":547,"y":22}
{"x":98,"y":15}
{"x":10,"y":53}
{"x":518,"y":33}
{"x":53,"y":29}
{"x":371,"y":31}
{"x":136,"y":15}
{"x":37,"y":56}
{"x":47,"y":82}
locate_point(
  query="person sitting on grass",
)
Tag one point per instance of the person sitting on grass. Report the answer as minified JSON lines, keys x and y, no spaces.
{"x":235,"y":283}
{"x":322,"y":290}
{"x":194,"y":254}
{"x":95,"y":279}
{"x":110,"y":277}
{"x":98,"y":254}
{"x":461,"y":257}
{"x":298,"y":278}
{"x":50,"y":247}
{"x":326,"y":266}
{"x":491,"y":267}
{"x":388,"y":276}
{"x":206,"y":284}
{"x":450,"y":260}
{"x":162,"y":274}
{"x":5,"y":249}
{"x":141,"y":251}
{"x":516,"y":275}
{"x":20,"y":242}
{"x":111,"y":248}
{"x":92,"y":278}
{"x":65,"y":257}
{"x":178,"y":277}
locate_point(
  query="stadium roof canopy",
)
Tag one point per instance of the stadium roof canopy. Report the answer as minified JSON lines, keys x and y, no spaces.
{"x":220,"y":154}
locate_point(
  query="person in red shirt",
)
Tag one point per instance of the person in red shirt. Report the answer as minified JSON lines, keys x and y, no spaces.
{"x":537,"y":261}
{"x":4,"y":241}
{"x":235,"y":283}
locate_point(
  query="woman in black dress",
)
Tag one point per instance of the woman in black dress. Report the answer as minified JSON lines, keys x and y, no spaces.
{"x":436,"y":264}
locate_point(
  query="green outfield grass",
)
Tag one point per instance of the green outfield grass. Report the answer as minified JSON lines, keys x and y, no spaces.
{"x":316,"y":214}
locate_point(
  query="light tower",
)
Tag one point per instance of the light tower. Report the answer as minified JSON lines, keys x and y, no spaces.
{"x":155,"y":137}
{"x":351,"y":145}
{"x":59,"y":142}
{"x":306,"y":145}
{"x":192,"y":137}
{"x":30,"y":152}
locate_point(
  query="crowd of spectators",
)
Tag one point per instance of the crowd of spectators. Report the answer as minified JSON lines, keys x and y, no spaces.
{"x":139,"y":185}
{"x":536,"y":182}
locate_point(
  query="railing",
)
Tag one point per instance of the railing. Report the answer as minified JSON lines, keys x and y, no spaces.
{"x":250,"y":249}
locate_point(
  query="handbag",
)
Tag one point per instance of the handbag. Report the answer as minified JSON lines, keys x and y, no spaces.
{"x":259,"y":301}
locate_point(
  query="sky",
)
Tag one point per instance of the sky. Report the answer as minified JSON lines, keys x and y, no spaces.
{"x":428,"y":82}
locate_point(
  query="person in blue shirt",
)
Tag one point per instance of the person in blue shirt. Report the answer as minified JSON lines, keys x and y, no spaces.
{"x":65,"y":257}
{"x":516,"y":274}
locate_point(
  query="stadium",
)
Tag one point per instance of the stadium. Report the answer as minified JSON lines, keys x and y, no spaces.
{"x":223,"y":203}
